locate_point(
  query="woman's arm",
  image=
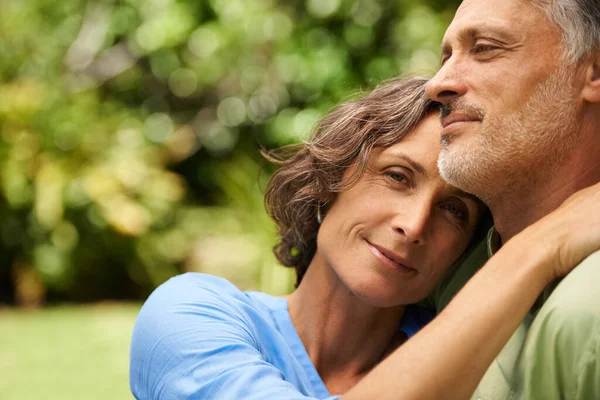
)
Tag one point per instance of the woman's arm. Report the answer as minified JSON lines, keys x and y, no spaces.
{"x":448,"y":358}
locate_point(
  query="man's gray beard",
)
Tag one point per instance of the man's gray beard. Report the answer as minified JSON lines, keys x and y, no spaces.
{"x":510,"y":154}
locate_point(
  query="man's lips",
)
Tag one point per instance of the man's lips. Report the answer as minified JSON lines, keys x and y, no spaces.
{"x":457,"y":119}
{"x":390,"y":258}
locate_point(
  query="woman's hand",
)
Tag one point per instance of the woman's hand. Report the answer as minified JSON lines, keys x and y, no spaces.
{"x":570,"y":233}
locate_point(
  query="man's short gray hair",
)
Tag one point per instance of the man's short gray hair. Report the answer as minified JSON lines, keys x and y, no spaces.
{"x":579,"y":24}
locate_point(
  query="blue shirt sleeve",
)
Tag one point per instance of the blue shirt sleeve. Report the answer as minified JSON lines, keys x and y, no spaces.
{"x":193,"y":339}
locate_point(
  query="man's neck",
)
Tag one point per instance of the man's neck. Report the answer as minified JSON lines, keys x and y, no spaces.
{"x":513,"y":212}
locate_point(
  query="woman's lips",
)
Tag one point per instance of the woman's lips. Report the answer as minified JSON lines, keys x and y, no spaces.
{"x":390,"y":259}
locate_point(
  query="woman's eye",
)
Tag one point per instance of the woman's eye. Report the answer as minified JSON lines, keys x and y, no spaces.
{"x":397,"y":177}
{"x":457,"y":212}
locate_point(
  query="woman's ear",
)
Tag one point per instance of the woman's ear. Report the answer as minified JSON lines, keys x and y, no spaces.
{"x":591,"y":88}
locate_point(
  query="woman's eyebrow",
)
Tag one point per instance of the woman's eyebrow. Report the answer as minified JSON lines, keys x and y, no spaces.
{"x":460,"y":193}
{"x":414,"y":164}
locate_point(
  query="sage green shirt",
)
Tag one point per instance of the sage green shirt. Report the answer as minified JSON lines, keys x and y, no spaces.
{"x":555,"y":352}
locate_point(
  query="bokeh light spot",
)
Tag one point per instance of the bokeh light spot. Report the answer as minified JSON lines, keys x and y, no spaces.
{"x":50,"y":262}
{"x":277,"y":26}
{"x":163,"y":63}
{"x":219,"y":139}
{"x":66,"y":136}
{"x":158,"y":127}
{"x":304,"y":123}
{"x":231,"y":111}
{"x":366,"y":12}
{"x":358,"y":37}
{"x":65,"y":236}
{"x":150,"y":36}
{"x":261,"y":107}
{"x":253,"y":77}
{"x":183,"y":82}
{"x":322,"y":8}
{"x":203,"y":42}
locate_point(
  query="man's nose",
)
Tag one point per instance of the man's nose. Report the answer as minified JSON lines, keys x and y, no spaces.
{"x":446,"y":84}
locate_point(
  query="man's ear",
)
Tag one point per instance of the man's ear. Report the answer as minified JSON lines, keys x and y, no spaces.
{"x":591,"y":88}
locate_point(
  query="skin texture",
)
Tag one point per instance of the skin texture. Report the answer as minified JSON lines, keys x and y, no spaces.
{"x":524,"y":135}
{"x":348,"y":305}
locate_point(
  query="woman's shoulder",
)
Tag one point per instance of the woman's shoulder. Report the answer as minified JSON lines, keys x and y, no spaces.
{"x":187,"y":313}
{"x":191,"y":330}
{"x":198,"y":283}
{"x":200,"y":336}
{"x":197,"y":293}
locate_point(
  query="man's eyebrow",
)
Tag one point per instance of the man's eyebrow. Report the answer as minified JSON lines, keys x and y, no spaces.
{"x":473,"y":32}
{"x":414,"y":164}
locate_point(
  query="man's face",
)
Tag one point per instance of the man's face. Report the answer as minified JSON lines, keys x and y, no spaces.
{"x":510,"y":106}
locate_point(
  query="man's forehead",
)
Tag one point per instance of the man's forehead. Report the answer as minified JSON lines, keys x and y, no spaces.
{"x":509,"y":18}
{"x":489,"y":6}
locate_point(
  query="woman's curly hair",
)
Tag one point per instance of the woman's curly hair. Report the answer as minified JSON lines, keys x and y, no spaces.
{"x":311,"y":174}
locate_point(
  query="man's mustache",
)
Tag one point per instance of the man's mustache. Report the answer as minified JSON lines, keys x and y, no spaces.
{"x":463,"y":107}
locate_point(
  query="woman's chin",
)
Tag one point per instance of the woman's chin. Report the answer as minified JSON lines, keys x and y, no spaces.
{"x":378,"y":289}
{"x":383,"y":296}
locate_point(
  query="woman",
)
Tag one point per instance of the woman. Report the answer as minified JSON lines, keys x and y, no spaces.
{"x":370,"y":228}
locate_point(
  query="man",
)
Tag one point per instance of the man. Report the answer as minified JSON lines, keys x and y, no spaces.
{"x":520,"y":88}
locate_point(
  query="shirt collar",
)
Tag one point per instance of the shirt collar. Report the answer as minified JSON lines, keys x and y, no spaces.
{"x":493,"y":245}
{"x":493,"y":241}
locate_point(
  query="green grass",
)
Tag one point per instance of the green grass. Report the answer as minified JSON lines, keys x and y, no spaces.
{"x":66,"y":352}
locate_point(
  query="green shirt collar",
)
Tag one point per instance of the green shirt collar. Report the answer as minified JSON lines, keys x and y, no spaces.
{"x":493,"y":242}
{"x":493,"y":245}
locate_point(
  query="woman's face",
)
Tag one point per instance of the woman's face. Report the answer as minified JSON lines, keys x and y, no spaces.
{"x":392,"y":236}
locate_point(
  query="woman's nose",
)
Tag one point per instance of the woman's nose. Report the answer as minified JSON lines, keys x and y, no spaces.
{"x":412,"y":224}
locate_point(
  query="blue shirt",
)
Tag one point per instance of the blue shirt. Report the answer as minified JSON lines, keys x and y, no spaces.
{"x":199,"y":337}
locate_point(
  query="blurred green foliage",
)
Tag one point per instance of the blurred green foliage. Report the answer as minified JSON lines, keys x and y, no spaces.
{"x":130,"y":129}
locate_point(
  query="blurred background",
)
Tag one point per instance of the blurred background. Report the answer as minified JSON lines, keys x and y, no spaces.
{"x":130,"y":133}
